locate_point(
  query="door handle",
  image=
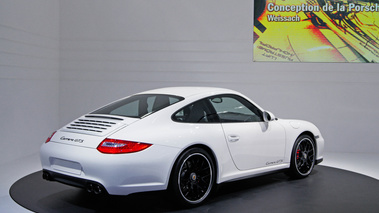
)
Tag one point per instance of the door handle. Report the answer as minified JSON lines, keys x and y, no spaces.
{"x":233,"y":138}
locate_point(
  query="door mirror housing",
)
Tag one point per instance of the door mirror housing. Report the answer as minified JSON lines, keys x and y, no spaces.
{"x":268,"y":116}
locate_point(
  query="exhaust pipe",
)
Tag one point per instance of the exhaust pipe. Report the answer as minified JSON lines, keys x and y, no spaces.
{"x":94,"y":188}
{"x":89,"y":188}
{"x":97,"y":189}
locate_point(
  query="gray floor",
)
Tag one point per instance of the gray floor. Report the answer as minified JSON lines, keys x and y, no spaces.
{"x":12,"y":171}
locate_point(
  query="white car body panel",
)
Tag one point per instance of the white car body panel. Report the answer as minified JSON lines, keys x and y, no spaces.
{"x":257,"y":148}
{"x":255,"y":144}
{"x":138,"y":174}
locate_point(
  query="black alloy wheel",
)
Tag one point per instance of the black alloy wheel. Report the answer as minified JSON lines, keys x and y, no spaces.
{"x":303,"y":157}
{"x":193,"y":177}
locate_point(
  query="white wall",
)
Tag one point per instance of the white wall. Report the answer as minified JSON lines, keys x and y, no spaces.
{"x":110,"y":49}
{"x":60,"y":59}
{"x":29,"y":75}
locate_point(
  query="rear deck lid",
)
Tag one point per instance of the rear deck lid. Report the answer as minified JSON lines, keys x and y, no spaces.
{"x":97,"y":125}
{"x":89,"y":130}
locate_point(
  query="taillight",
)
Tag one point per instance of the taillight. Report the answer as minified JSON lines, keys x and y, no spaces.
{"x":114,"y":146}
{"x":49,"y":138}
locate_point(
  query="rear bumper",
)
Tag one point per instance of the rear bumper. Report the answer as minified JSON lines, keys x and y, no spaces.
{"x":90,"y":186}
{"x":116,"y":174}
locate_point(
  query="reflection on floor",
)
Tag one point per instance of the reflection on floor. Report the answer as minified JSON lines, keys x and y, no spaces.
{"x":12,"y":171}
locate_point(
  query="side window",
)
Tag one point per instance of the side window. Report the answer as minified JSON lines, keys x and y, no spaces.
{"x":197,"y":112}
{"x":232,"y":108}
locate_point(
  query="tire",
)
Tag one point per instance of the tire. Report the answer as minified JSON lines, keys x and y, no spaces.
{"x":193,"y":177}
{"x":303,"y":157}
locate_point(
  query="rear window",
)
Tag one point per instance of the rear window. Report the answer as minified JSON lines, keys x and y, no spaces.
{"x":138,"y":106}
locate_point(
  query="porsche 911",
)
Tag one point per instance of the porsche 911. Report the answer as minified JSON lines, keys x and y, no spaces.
{"x":186,"y":140}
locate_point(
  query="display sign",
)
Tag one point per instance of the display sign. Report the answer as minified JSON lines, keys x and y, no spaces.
{"x":316,"y":31}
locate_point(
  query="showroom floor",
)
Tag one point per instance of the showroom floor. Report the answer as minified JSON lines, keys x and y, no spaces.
{"x":12,"y":171}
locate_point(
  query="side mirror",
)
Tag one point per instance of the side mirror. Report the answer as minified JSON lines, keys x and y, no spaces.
{"x":268,"y":116}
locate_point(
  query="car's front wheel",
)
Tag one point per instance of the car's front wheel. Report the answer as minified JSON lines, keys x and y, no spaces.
{"x":193,"y":177}
{"x":303,"y":157}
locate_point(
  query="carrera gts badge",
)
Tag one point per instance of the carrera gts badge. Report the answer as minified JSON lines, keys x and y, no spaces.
{"x":63,"y":138}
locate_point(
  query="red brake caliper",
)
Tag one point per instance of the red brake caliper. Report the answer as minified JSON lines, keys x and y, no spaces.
{"x":298,"y":154}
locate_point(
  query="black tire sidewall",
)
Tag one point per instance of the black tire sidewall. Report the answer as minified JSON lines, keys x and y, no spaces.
{"x":174,"y":186}
{"x":293,"y":168}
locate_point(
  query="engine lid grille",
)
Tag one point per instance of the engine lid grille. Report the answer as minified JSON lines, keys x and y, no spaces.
{"x":90,"y":125}
{"x":94,"y":125}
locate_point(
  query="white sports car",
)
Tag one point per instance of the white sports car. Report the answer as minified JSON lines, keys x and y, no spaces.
{"x":185,"y":139}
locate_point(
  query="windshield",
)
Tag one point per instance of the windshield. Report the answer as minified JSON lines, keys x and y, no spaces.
{"x":138,"y":106}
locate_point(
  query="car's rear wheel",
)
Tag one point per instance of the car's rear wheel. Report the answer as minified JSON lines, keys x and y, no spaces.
{"x":193,"y":177}
{"x":303,"y":157}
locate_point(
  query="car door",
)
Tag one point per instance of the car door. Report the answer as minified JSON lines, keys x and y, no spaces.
{"x":252,"y":142}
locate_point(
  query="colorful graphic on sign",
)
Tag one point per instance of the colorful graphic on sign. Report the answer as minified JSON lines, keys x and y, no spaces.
{"x":316,"y":30}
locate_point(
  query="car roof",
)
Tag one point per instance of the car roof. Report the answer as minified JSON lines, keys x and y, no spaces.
{"x":186,"y":92}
